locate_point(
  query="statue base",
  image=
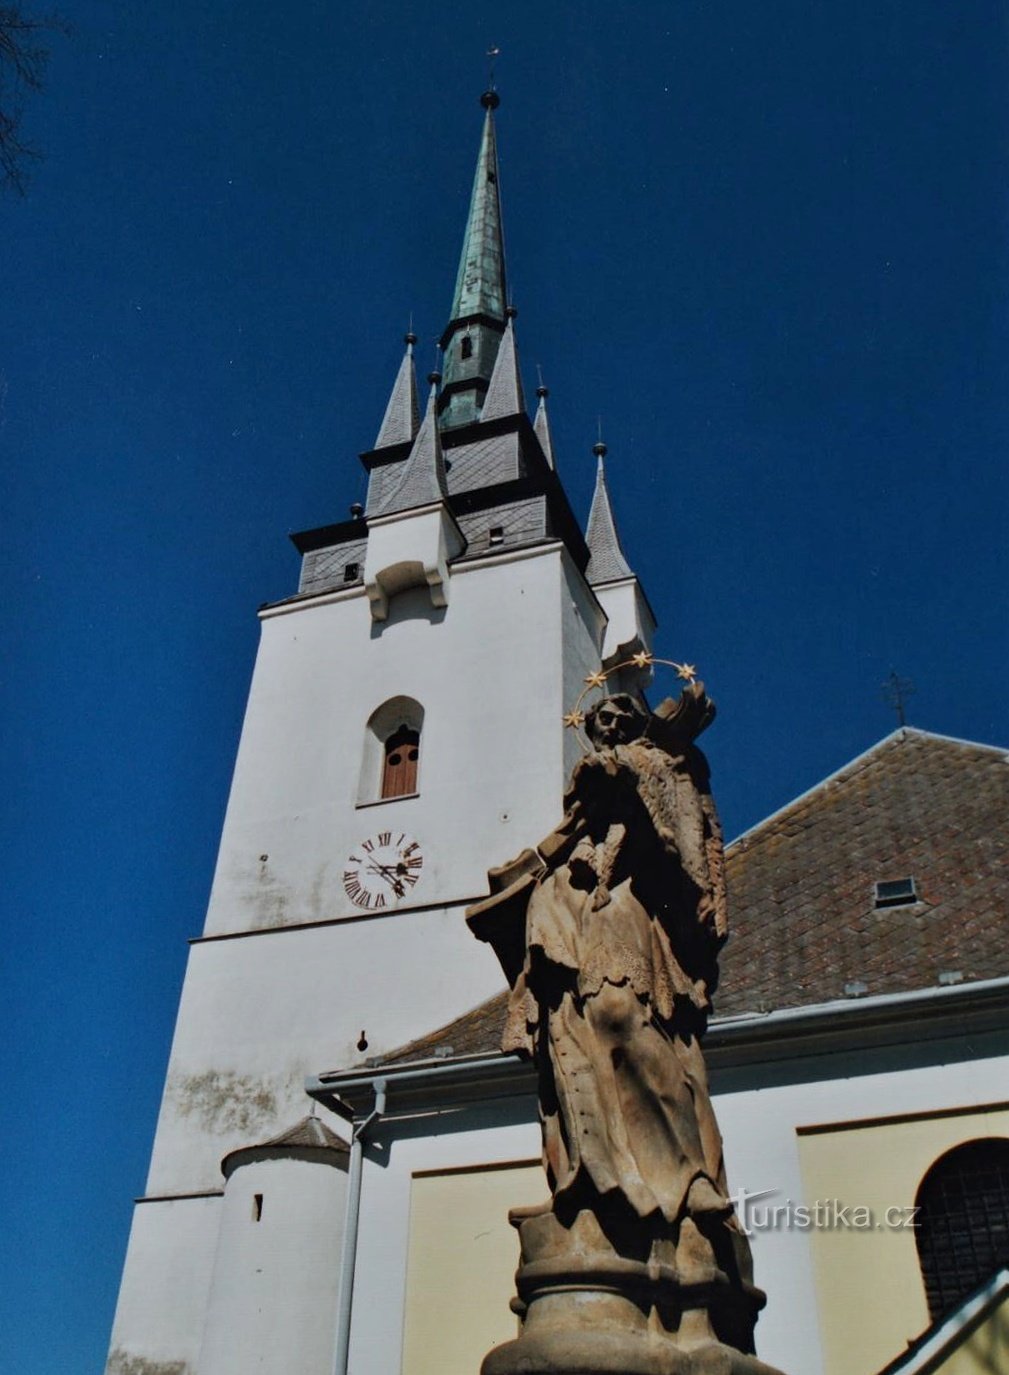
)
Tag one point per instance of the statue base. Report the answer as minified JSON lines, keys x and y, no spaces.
{"x":667,"y":1308}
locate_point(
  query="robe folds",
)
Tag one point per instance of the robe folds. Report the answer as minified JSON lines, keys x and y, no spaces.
{"x":623,"y":925}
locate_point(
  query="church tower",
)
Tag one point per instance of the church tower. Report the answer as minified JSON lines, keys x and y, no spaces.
{"x":403,"y":731}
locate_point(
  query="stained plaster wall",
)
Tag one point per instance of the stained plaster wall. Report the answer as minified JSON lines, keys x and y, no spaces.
{"x":169,"y":1264}
{"x":279,"y":999}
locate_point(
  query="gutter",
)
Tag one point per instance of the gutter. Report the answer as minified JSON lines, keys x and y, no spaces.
{"x":348,"y":1260}
{"x":412,"y":1090}
{"x":734,"y":1043}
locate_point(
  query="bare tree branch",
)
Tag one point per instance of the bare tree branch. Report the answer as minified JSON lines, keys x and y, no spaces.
{"x":23,"y":58}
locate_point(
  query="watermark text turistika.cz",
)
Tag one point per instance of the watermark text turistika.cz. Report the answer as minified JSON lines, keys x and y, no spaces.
{"x":763,"y":1210}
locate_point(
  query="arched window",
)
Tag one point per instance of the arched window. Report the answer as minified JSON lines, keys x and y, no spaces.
{"x":399,"y":767}
{"x":963,"y":1221}
{"x":390,"y":766}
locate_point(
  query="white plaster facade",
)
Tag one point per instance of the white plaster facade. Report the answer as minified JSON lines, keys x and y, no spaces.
{"x":288,"y":974}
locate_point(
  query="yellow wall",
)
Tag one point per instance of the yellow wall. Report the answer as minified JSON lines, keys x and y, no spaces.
{"x":869,"y":1287}
{"x":986,"y":1350}
{"x":461,"y":1264}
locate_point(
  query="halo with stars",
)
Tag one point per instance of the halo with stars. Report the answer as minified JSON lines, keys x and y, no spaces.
{"x":575,"y":718}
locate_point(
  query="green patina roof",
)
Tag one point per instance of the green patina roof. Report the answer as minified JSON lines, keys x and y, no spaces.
{"x":480,"y":284}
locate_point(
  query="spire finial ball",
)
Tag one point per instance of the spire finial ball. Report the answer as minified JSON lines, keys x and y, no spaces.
{"x":410,"y":338}
{"x":599,"y":449}
{"x":511,"y":312}
{"x":542,"y":391}
{"x":434,"y":377}
{"x":490,"y":100}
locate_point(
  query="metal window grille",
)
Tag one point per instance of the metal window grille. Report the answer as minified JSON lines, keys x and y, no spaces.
{"x":963,"y":1222}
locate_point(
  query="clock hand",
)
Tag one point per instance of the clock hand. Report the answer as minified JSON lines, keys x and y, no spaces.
{"x":384,"y":869}
{"x":389,"y":875}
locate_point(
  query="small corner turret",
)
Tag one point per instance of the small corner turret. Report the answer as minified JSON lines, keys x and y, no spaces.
{"x":402,"y":417}
{"x":630,"y":622}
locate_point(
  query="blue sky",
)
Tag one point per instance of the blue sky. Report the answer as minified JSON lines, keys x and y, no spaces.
{"x":768,"y":244}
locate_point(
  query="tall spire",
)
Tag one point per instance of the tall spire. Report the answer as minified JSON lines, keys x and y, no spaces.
{"x":401,"y":415}
{"x":541,"y":425}
{"x":423,"y":480}
{"x":606,"y":558}
{"x":480,"y":281}
{"x":477,"y":322}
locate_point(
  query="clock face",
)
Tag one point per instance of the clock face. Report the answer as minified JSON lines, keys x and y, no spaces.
{"x":382,"y":870}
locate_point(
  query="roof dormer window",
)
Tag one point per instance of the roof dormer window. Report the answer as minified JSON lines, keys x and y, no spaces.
{"x":898,"y":892}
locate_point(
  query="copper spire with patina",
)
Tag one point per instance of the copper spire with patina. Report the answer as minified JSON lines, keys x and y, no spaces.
{"x":473,"y":334}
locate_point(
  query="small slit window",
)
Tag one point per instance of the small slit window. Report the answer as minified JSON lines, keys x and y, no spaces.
{"x":257,"y":1207}
{"x":898,"y":892}
{"x":351,"y":572}
{"x":466,"y":347}
{"x":496,"y":534}
{"x":399,"y":769}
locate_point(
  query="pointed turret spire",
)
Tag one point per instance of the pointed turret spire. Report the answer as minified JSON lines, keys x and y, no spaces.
{"x":474,"y":331}
{"x":504,"y":395}
{"x":423,"y":480}
{"x":541,"y":425}
{"x":606,"y":558}
{"x":402,"y":417}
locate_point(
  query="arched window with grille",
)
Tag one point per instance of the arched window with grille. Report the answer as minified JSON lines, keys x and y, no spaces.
{"x":391,"y":760}
{"x":963,"y":1221}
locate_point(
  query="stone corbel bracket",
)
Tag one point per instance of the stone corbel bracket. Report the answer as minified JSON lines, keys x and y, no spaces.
{"x":407,"y":549}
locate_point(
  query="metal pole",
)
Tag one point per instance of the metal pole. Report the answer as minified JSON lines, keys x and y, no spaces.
{"x":348,"y":1260}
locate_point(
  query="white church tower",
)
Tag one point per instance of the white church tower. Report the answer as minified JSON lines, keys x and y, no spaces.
{"x":403,"y":732}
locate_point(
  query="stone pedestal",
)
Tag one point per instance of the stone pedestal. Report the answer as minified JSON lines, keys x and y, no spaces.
{"x":678,"y":1304}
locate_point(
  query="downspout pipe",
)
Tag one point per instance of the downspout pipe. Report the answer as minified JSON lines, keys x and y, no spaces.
{"x":348,"y":1261}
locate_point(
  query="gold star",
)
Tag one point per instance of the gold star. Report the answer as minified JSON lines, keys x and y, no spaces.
{"x":574,"y":719}
{"x":597,"y":679}
{"x":686,"y":671}
{"x":642,"y":660}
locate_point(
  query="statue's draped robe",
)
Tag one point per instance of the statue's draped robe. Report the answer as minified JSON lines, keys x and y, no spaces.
{"x":623,"y":929}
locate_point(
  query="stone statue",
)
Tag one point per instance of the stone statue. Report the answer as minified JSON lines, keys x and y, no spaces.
{"x":609,"y":935}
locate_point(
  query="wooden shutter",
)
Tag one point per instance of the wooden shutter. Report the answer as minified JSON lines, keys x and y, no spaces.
{"x":399,"y":768}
